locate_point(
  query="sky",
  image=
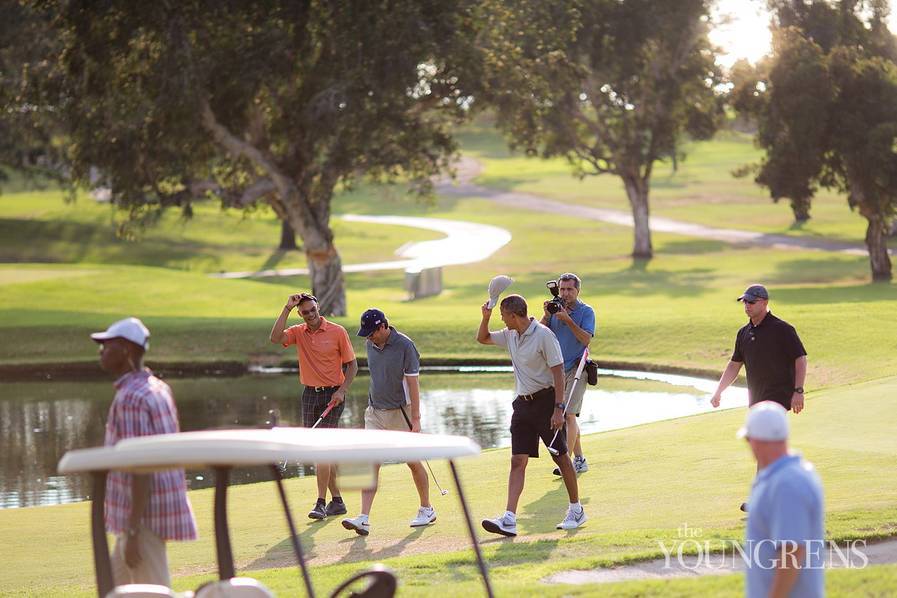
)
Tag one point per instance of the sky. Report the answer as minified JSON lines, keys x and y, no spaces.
{"x":747,"y":34}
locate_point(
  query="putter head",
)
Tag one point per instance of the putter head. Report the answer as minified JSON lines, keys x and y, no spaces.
{"x":444,"y":492}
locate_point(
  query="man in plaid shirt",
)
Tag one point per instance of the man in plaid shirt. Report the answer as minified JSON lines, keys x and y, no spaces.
{"x":143,"y":511}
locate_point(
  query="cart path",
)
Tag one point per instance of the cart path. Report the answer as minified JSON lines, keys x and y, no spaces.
{"x":464,"y":243}
{"x":880,"y":553}
{"x":468,"y":169}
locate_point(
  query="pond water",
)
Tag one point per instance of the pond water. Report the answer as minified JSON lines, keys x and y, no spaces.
{"x":40,"y":421}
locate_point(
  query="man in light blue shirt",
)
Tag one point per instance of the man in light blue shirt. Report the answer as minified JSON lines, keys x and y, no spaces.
{"x":574,"y":326}
{"x":785,"y":527}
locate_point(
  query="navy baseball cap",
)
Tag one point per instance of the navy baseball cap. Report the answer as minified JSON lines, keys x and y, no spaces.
{"x":370,"y":321}
{"x":754,"y":292}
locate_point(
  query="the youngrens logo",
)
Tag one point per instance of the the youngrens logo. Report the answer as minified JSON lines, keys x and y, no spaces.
{"x":690,"y":551}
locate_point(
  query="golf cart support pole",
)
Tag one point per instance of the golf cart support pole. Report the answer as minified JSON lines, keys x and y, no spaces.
{"x":222,"y":535}
{"x":294,"y":537}
{"x":101,"y":563}
{"x":473,"y":535}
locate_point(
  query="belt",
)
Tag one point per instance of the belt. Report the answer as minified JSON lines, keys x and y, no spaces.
{"x":323,"y":388}
{"x":536,"y":395}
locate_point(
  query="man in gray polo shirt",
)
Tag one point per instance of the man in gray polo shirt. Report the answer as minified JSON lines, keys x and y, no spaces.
{"x":394,"y":364}
{"x":786,"y":522}
{"x":538,"y":408}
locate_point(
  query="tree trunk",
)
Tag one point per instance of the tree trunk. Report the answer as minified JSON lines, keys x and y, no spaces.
{"x":877,"y":244}
{"x":801,"y":208}
{"x":287,"y":236}
{"x":637,"y":191}
{"x":324,"y":264}
{"x":327,"y":281}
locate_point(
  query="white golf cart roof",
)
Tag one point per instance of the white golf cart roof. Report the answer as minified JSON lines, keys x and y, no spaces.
{"x":224,"y":449}
{"x":263,"y":447}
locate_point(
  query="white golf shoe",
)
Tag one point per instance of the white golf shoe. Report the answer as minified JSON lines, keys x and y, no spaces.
{"x":360,"y":525}
{"x":425,"y":516}
{"x":502,"y":524}
{"x":573,"y":519}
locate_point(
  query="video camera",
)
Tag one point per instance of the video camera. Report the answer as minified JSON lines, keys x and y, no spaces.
{"x":555,"y":304}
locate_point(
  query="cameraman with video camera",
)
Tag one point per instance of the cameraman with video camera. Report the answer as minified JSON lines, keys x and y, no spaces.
{"x":573,"y":323}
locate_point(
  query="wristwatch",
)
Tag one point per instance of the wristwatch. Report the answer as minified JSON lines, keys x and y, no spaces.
{"x":799,"y":390}
{"x":559,"y":406}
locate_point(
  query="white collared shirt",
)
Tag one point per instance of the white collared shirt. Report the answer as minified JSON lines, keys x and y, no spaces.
{"x":533,"y":354}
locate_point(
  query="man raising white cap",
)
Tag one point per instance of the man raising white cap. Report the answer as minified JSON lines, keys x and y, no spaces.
{"x":785,"y":527}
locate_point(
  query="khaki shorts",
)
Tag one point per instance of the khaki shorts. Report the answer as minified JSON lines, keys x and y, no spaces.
{"x":385,"y":419}
{"x":153,"y":566}
{"x":578,"y":392}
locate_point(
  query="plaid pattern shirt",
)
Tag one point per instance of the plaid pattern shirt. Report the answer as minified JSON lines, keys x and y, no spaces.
{"x":143,"y":406}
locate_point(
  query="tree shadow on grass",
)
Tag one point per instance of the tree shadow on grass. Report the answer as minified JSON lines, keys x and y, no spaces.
{"x":692,"y":247}
{"x":276,"y":257}
{"x":861,"y":293}
{"x":827,"y":269}
{"x":283,"y":550}
{"x":359,"y":549}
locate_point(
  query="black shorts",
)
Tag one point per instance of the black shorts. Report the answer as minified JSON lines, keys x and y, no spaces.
{"x":313,"y":404}
{"x":531,"y":421}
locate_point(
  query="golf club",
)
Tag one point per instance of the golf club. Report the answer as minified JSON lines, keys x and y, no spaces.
{"x":496,"y":287}
{"x":579,"y":368}
{"x":433,"y":475}
{"x":330,"y":406}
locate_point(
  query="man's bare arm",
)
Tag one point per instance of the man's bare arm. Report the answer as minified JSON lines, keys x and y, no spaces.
{"x":728,"y":377}
{"x":483,"y":336}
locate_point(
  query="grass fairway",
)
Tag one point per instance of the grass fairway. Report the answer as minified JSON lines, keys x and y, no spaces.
{"x":644,"y":483}
{"x":678,"y":310}
{"x":699,"y":189}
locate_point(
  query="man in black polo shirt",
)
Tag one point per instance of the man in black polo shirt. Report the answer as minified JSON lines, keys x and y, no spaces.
{"x":771,"y":351}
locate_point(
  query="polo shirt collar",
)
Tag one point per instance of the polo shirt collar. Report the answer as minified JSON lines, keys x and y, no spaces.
{"x":531,"y":328}
{"x":323,"y":327}
{"x":389,"y":339}
{"x":123,"y":379}
{"x":766,"y":318}
{"x":776,"y":465}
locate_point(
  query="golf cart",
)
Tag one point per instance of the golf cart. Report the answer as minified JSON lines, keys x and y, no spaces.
{"x":221,"y":450}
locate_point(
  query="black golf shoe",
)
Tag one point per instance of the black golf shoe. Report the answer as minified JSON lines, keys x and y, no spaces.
{"x":318,"y":511}
{"x":335,"y":508}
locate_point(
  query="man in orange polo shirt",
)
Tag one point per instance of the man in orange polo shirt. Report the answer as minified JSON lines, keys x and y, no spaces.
{"x":327,"y":367}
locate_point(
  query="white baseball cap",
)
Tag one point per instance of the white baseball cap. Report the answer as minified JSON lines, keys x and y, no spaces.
{"x":766,"y":421}
{"x":130,"y":329}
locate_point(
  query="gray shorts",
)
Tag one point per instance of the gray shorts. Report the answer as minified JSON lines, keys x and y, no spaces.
{"x":578,"y":392}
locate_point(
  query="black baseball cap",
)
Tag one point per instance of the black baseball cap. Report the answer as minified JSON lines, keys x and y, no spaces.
{"x":370,"y":321}
{"x":754,"y":292}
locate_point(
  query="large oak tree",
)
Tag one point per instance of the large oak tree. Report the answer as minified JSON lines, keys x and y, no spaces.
{"x":612,"y":86}
{"x":827,"y":112}
{"x":276,"y":101}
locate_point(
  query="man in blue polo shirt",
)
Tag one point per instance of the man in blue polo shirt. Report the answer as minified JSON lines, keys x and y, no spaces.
{"x":785,"y":527}
{"x":574,"y":327}
{"x":393,"y":404}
